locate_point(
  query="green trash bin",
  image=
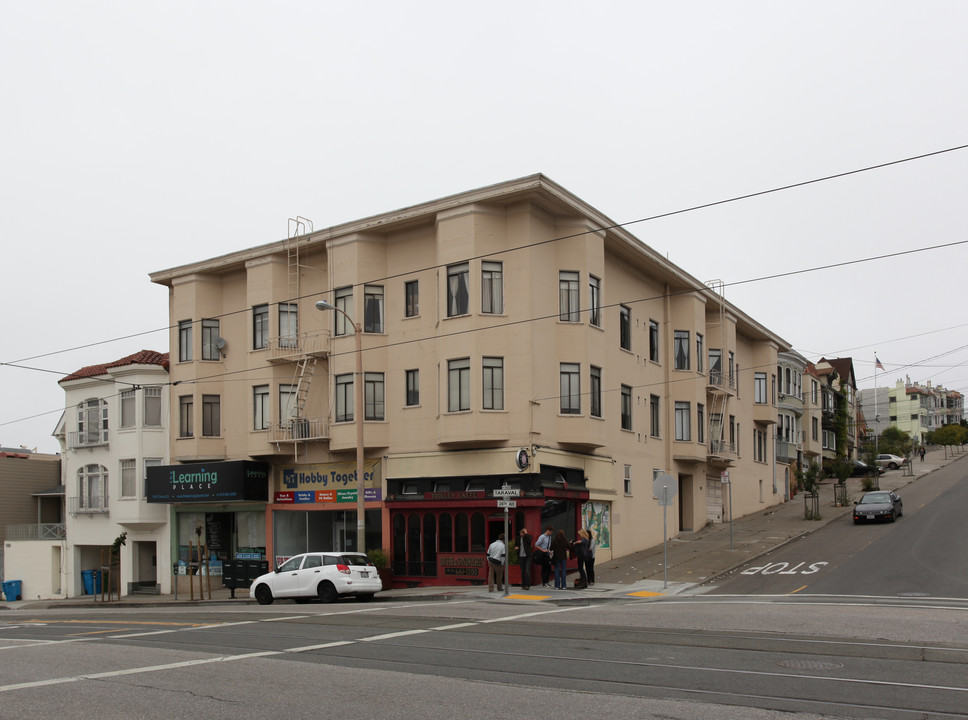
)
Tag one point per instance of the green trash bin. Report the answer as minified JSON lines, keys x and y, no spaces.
{"x":11,"y":590}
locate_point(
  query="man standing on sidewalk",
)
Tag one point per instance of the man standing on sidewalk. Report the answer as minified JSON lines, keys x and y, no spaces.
{"x":542,"y":554}
{"x":495,"y":564}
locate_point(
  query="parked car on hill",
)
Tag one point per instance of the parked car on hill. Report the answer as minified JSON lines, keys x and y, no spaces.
{"x":892,"y":462}
{"x":323,"y":575}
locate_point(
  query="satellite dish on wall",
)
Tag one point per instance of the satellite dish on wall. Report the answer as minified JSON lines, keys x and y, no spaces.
{"x":220,"y":344}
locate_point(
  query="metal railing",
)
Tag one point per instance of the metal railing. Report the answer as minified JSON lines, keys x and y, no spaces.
{"x":294,"y":346}
{"x":720,"y":379}
{"x":721,"y":448}
{"x":44,"y":531}
{"x":298,"y":429}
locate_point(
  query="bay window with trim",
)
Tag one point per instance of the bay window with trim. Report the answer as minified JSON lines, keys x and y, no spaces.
{"x":625,"y":327}
{"x":493,"y":383}
{"x":210,"y":338}
{"x":184,"y":340}
{"x":680,"y":349}
{"x":492,"y":288}
{"x":148,"y":463}
{"x":373,"y":309}
{"x":260,"y":407}
{"x":186,"y":416}
{"x":152,"y":405}
{"x":211,"y":415}
{"x":128,"y":405}
{"x":343,"y":300}
{"x":288,"y":325}
{"x":260,"y":327}
{"x":344,"y":397}
{"x":568,"y":309}
{"x":683,"y":421}
{"x":700,"y":351}
{"x":92,"y":487}
{"x":570,"y":387}
{"x":595,"y":392}
{"x":626,"y":407}
{"x":413,"y":388}
{"x":458,"y":290}
{"x":374,"y":391}
{"x":129,"y":478}
{"x":92,"y":422}
{"x":759,"y":388}
{"x":459,"y":385}
{"x":759,"y":445}
{"x":594,"y":301}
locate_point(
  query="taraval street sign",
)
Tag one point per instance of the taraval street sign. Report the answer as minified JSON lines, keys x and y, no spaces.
{"x":507,"y":492}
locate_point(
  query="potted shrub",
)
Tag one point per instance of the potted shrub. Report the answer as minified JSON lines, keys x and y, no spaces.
{"x":381,"y":560}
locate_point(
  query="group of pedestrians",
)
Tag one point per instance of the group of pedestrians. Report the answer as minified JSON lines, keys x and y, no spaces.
{"x":550,"y":552}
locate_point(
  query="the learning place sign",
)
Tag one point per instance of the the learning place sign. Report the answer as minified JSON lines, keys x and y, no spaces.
{"x":235,"y":480}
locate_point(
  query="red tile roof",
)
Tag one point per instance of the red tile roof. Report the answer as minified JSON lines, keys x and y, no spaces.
{"x":142,"y":357}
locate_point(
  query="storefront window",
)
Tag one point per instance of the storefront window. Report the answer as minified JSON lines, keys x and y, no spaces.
{"x":399,"y":540}
{"x":430,"y":538}
{"x":461,"y":537}
{"x":446,"y":539}
{"x":478,"y":543}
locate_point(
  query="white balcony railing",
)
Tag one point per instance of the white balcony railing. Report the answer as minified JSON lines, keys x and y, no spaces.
{"x":43,"y":531}
{"x":87,"y":438}
{"x":298,"y":429}
{"x":87,"y":505}
{"x":295,"y":346}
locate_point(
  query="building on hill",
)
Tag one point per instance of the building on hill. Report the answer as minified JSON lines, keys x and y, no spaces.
{"x":511,"y":337}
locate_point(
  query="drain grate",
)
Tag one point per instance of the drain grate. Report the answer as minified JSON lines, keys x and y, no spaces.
{"x":809,"y":665}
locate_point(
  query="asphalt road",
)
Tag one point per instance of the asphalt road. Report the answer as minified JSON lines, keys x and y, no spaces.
{"x":690,"y":657}
{"x":923,"y":554}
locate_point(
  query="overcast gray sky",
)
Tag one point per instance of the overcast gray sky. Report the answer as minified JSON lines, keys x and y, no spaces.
{"x":137,"y":136}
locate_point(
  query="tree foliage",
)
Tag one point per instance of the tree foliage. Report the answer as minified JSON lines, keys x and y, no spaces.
{"x":895,"y":441}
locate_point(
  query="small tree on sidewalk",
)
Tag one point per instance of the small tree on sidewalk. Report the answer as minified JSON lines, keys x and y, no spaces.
{"x":809,"y":484}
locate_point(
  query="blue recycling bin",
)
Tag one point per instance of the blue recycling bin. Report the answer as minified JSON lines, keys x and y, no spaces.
{"x":92,"y":581}
{"x":11,"y":590}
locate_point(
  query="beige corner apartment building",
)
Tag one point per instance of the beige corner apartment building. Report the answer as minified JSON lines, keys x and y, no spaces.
{"x":508,"y":340}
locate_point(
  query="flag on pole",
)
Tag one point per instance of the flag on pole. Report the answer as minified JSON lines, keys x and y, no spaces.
{"x":877,"y":363}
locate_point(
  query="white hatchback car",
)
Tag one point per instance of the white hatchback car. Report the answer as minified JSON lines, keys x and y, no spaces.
{"x":323,"y":575}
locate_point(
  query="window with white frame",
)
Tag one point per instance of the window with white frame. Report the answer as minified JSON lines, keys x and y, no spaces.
{"x":493,"y":383}
{"x":288,"y":325}
{"x":492,"y":287}
{"x":148,"y":463}
{"x":344,"y":397}
{"x":343,"y":300}
{"x":92,"y":486}
{"x":627,"y":480}
{"x":152,"y":401}
{"x":459,"y":385}
{"x":373,"y":308}
{"x":626,"y":407}
{"x":683,"y":421}
{"x":458,"y":291}
{"x":594,"y":301}
{"x":260,"y":327}
{"x":260,"y":407}
{"x":570,"y":388}
{"x":184,"y":340}
{"x":128,"y":405}
{"x":374,"y":403}
{"x":287,"y":402}
{"x":210,"y":338}
{"x":680,"y":349}
{"x":129,"y":478}
{"x":92,"y":422}
{"x":568,"y":308}
{"x":759,"y":388}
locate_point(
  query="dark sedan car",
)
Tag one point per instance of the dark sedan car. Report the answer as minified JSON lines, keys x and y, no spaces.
{"x":878,"y":505}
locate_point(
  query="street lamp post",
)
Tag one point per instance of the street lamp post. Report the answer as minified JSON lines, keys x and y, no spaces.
{"x":358,"y":416}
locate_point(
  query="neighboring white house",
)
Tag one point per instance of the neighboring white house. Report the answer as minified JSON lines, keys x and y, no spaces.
{"x":115,"y":425}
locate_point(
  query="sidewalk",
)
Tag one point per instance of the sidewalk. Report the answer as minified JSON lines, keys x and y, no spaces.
{"x":693,"y":558}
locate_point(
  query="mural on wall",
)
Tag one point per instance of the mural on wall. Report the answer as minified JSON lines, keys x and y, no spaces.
{"x":597,"y":516}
